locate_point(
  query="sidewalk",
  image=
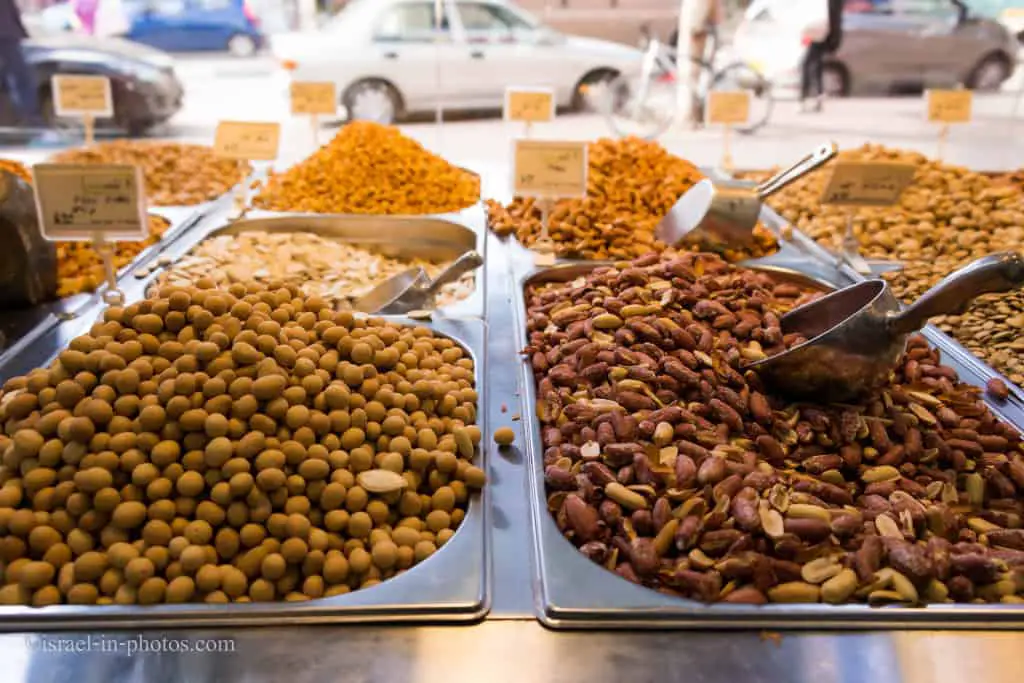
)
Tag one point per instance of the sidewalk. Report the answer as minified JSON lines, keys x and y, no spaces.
{"x":991,"y":141}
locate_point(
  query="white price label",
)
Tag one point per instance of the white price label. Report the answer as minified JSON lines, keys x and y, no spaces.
{"x":80,"y":96}
{"x":87,"y":202}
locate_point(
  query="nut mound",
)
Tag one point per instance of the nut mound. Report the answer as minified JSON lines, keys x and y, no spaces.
{"x":240,"y":445}
{"x":947,"y":218}
{"x":175,"y":174}
{"x":17,"y":168}
{"x":80,"y":266}
{"x":370,"y":168}
{"x":338,"y":272}
{"x":668,"y":464}
{"x":632,"y":184}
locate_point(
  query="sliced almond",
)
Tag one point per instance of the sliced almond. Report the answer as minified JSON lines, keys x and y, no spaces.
{"x":381,"y":481}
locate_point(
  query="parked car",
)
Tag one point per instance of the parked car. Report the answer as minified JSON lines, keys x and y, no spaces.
{"x":389,"y":58}
{"x":145,"y":89}
{"x":887,"y":46}
{"x":196,"y":25}
{"x":172,"y":25}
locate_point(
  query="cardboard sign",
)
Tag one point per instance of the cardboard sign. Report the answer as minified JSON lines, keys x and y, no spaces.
{"x":318,"y":99}
{"x":950,"y":106}
{"x":82,"y":96}
{"x":867,"y":183}
{"x":531,"y":105}
{"x":89,"y":202}
{"x":728,"y":107}
{"x":547,"y":168}
{"x":247,"y":140}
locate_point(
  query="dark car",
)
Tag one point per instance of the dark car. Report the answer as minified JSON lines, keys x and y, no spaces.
{"x":145,"y":88}
{"x":196,"y":25}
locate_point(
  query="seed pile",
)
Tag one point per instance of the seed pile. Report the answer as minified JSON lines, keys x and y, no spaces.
{"x":631,"y":184}
{"x":668,"y":464}
{"x":17,"y":168}
{"x":370,"y":168}
{"x":175,"y":174}
{"x":337,"y":272}
{"x":241,"y":445}
{"x":947,"y":218}
{"x":80,"y":266}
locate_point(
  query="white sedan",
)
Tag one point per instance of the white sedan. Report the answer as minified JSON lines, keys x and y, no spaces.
{"x":393,"y":57}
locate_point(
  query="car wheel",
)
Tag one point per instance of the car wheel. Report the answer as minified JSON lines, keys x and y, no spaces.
{"x":592,"y":90}
{"x":989,"y":74}
{"x":835,"y":80}
{"x":241,"y":45}
{"x":372,"y":100}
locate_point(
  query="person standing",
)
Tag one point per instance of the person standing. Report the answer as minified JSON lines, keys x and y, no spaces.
{"x":698,"y":20}
{"x":823,"y":36}
{"x":15,"y":72}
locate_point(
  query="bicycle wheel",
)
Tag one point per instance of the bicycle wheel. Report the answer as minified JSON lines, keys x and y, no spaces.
{"x":743,"y":76}
{"x":633,"y":105}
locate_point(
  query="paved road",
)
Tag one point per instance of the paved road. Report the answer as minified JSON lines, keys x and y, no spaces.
{"x":222,"y":87}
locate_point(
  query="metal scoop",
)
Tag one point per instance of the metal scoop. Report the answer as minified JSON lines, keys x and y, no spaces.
{"x":412,"y":290}
{"x":730,"y":212}
{"x":857,"y":334}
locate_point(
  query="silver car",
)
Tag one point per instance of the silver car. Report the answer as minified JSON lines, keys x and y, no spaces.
{"x":886,"y":46}
{"x":391,"y":57}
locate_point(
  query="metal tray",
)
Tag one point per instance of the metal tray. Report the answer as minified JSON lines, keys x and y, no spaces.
{"x":441,"y":237}
{"x":454,"y":585}
{"x":572,"y":592}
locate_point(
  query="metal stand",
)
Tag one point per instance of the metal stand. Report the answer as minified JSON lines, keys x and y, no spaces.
{"x":544,"y":247}
{"x":112,"y":295}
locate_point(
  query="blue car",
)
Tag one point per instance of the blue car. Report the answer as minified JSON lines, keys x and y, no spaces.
{"x":196,"y":25}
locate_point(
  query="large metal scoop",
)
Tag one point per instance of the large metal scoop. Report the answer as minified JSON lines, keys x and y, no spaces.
{"x":412,"y":290}
{"x":730,"y":212}
{"x":857,"y":334}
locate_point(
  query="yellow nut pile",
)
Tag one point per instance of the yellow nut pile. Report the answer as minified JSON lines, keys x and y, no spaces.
{"x":175,"y":174}
{"x":235,"y":445}
{"x":80,"y":266}
{"x":370,"y":168}
{"x":631,"y":184}
{"x":17,"y":168}
{"x":948,"y":217}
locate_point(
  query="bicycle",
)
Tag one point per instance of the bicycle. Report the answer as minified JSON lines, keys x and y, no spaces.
{"x":645,"y":104}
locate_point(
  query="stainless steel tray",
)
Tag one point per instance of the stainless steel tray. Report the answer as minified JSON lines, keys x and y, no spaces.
{"x":451,"y":586}
{"x":573,"y":592}
{"x":440,"y":237}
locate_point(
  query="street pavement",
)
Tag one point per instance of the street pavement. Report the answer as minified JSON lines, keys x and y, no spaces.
{"x":227,"y":88}
{"x":221,"y":87}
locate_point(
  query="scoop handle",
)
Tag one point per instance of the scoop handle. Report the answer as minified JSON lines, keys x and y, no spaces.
{"x":471,"y":260}
{"x":786,"y":176}
{"x":1001,"y":272}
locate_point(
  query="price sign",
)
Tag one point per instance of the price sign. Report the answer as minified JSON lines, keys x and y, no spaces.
{"x":82,"y":96}
{"x":317,"y":99}
{"x":867,"y":183}
{"x":531,"y":105}
{"x":87,"y":202}
{"x":728,"y":107}
{"x":247,"y":140}
{"x":950,"y":106}
{"x":546,"y":168}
